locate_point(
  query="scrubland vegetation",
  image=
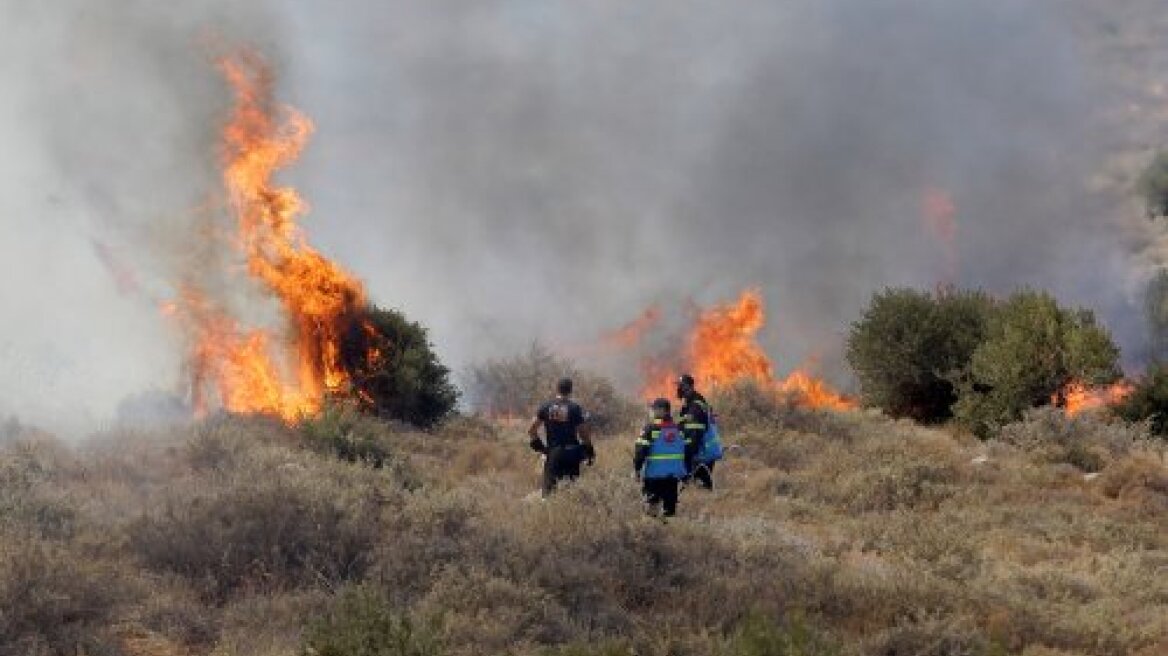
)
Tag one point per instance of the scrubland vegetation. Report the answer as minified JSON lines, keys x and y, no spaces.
{"x":829,"y":534}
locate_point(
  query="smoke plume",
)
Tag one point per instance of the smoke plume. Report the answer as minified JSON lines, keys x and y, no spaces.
{"x":511,"y":170}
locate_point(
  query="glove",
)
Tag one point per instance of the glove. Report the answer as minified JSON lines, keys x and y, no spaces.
{"x":537,"y":445}
{"x":589,"y":454}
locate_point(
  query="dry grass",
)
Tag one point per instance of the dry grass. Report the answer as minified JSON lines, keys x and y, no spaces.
{"x":848,"y":534}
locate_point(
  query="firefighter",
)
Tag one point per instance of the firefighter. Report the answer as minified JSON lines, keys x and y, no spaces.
{"x":659,"y":460}
{"x":695,"y":421}
{"x":569,"y":440}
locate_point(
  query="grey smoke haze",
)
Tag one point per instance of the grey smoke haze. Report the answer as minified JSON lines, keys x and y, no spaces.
{"x":511,"y":170}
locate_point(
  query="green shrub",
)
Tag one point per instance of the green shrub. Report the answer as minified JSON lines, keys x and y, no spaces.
{"x":910,"y":347}
{"x":364,"y":624}
{"x":1148,"y":401}
{"x":405,"y":381}
{"x":759,"y":635}
{"x":1153,"y":185}
{"x":348,"y":435}
{"x":514,"y":387}
{"x":1033,"y":349}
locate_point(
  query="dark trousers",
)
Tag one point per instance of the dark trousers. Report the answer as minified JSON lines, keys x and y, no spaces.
{"x":663,"y":492}
{"x":703,"y":473}
{"x":561,"y":462}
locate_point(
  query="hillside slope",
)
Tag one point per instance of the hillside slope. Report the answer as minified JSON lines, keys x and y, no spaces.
{"x":830,"y":533}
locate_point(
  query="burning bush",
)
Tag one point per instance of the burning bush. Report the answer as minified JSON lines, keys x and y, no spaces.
{"x":333,"y":341}
{"x":983,"y":361}
{"x":1033,"y":351}
{"x":394,"y":371}
{"x":910,"y":348}
{"x":514,"y":387}
{"x":1153,"y":185}
{"x":1148,"y":401}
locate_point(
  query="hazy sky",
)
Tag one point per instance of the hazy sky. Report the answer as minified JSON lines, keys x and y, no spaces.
{"x":514,"y":170}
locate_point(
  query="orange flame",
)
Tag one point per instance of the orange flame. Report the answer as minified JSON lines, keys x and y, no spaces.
{"x":1077,"y":398}
{"x":255,"y":371}
{"x":721,"y":351}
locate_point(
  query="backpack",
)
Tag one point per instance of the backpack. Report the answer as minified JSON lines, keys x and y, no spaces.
{"x":712,"y":450}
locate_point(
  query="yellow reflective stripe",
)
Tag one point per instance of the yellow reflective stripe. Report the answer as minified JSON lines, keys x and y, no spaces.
{"x":644,"y":442}
{"x":670,"y":456}
{"x":694,"y":425}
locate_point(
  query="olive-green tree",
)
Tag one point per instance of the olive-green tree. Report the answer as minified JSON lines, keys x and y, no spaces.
{"x":394,"y":370}
{"x":910,"y":348}
{"x":1033,"y":349}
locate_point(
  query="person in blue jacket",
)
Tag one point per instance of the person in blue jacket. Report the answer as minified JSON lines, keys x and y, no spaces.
{"x":661,"y":460}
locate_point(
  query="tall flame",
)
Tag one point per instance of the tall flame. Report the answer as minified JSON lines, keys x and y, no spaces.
{"x":255,"y":370}
{"x":721,"y":350}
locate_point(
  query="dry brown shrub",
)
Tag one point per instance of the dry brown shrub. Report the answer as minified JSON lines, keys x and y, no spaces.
{"x":930,"y":637}
{"x":1140,"y":479}
{"x":32,"y":498}
{"x":276,"y":521}
{"x":268,"y":624}
{"x":484,"y":613}
{"x":913,"y":470}
{"x":1087,"y":442}
{"x":748,"y":408}
{"x":56,"y":599}
{"x":431,"y":530}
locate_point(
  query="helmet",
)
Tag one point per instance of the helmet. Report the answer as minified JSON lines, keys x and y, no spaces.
{"x":661,"y":404}
{"x":685,"y":385}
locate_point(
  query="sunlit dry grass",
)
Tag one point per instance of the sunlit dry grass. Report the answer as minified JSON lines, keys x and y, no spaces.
{"x":871,"y":536}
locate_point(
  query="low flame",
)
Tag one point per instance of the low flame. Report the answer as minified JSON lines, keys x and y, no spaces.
{"x":257,"y":370}
{"x":1077,"y":398}
{"x":721,"y":350}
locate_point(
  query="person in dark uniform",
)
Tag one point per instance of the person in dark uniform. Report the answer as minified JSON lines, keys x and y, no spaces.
{"x":694,"y":420}
{"x":660,"y":460}
{"x":569,"y":441}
